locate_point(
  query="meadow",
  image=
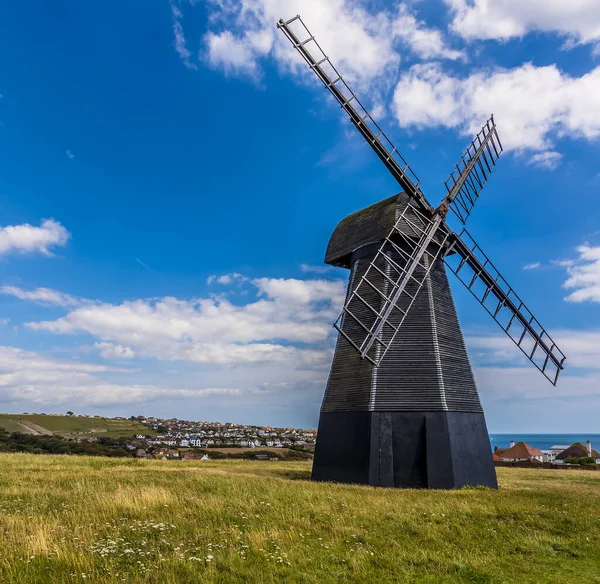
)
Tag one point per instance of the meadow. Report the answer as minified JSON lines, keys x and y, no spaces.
{"x":74,"y":519}
{"x":72,"y":426}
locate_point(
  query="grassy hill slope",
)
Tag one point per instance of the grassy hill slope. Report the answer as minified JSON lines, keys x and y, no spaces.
{"x":76,"y":519}
{"x":71,"y":426}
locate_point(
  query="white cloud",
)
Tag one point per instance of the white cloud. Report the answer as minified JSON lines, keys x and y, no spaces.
{"x":532,"y":266}
{"x":111,"y":351}
{"x":30,"y":377}
{"x":582,"y":348}
{"x":563,"y":263}
{"x":549,"y":160}
{"x":362,"y":44}
{"x":324,"y":269}
{"x":516,"y":384}
{"x":234,"y":55}
{"x":70,"y":155}
{"x":26,"y":238}
{"x":533,"y":105}
{"x":427,"y":43}
{"x":584,"y":275}
{"x":271,"y":353}
{"x":45,"y":296}
{"x":226,"y":279}
{"x":577,"y":20}
{"x":179,"y":42}
{"x":288,"y":321}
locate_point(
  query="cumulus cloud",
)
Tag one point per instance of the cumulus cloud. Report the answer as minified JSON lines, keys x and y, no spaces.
{"x":44,"y":296}
{"x":26,"y":238}
{"x":533,"y":105}
{"x":288,"y":321}
{"x":583,"y":275}
{"x":578,"y":20}
{"x":361,"y":42}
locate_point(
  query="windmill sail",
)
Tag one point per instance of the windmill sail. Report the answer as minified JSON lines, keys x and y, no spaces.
{"x":310,"y":50}
{"x":472,"y":171}
{"x":379,"y":303}
{"x":474,"y":269}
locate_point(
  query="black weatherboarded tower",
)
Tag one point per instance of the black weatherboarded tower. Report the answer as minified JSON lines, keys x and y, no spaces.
{"x":416,"y":420}
{"x":405,"y":411}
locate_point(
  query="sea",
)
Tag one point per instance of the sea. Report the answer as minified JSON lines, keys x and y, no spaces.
{"x":544,"y":441}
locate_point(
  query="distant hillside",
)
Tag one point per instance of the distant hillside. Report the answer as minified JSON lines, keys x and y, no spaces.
{"x":71,"y":426}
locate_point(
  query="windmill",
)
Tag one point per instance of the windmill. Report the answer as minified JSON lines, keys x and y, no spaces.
{"x":406,"y":412}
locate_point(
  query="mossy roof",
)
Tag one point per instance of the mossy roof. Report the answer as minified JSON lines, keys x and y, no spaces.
{"x":366,"y":226}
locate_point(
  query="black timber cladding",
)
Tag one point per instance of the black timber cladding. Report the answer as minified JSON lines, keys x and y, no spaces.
{"x":427,"y":367}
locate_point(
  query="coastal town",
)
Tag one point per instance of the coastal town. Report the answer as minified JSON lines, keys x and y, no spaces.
{"x":180,"y":439}
{"x":175,"y":439}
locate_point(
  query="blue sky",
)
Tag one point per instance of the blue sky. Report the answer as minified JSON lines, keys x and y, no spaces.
{"x":170,"y":175}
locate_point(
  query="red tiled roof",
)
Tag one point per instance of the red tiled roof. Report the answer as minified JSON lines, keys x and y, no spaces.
{"x":495,"y":457}
{"x":521,"y":450}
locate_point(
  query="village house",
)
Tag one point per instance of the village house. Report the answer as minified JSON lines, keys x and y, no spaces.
{"x":578,"y":450}
{"x":519,"y":452}
{"x":166,"y":453}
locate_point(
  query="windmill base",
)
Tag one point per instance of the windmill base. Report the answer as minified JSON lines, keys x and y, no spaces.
{"x":435,"y":450}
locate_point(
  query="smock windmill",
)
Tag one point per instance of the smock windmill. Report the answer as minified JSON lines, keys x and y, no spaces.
{"x":406,"y":411}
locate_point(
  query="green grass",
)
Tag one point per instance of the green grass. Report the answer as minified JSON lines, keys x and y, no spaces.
{"x":75,"y":519}
{"x":73,"y":426}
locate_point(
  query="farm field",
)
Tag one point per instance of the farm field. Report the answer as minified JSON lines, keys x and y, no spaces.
{"x":78,"y":519}
{"x":71,"y":426}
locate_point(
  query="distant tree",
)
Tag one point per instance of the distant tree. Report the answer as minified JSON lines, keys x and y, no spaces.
{"x":582,"y":461}
{"x":69,"y":413}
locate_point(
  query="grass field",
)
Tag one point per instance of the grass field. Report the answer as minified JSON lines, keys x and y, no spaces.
{"x":77,"y":519}
{"x":244,"y":450}
{"x":71,"y":426}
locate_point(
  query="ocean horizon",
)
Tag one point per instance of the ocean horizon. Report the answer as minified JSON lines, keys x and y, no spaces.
{"x":544,"y":441}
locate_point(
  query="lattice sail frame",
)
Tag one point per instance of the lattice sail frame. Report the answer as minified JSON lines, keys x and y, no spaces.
{"x":472,"y":171}
{"x":463,"y":186}
{"x":310,"y":50}
{"x":418,"y":242}
{"x":476,"y":271}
